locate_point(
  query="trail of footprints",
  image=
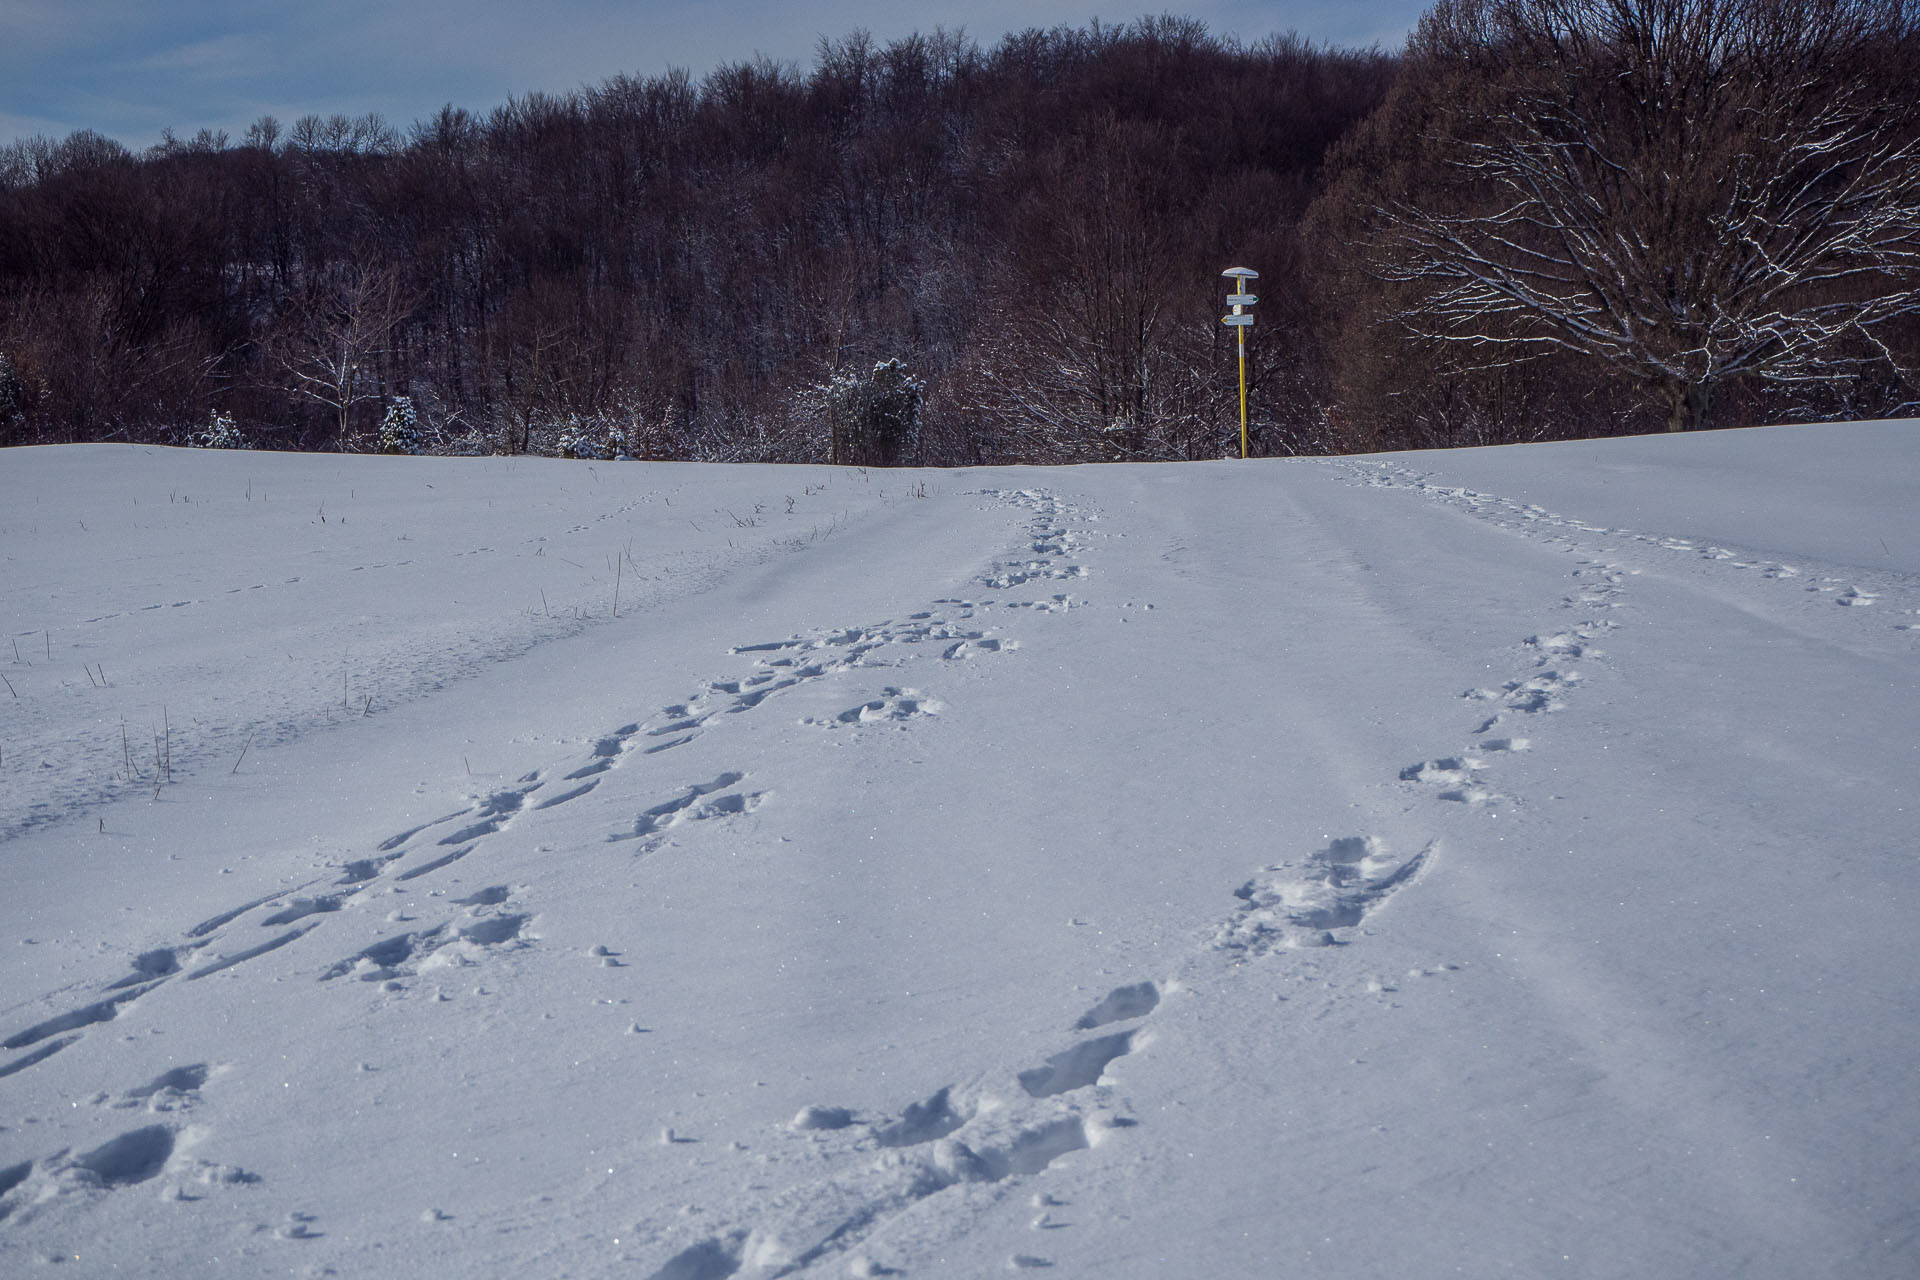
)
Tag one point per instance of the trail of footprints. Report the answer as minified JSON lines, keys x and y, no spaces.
{"x":432,"y":846}
{"x":978,"y":1136}
{"x":983,"y":1136}
{"x":490,"y":919}
{"x":1295,"y":904}
{"x":1508,"y":513}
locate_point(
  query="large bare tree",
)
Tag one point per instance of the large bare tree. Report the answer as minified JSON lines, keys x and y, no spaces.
{"x":1691,"y":191}
{"x":331,"y":344}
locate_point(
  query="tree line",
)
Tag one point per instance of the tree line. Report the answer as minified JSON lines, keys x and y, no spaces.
{"x":926,"y":251}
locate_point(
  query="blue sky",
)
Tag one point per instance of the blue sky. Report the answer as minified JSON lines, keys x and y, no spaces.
{"x":130,"y":68}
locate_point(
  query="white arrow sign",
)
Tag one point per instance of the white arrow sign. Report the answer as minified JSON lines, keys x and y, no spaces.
{"x":1238,"y":320}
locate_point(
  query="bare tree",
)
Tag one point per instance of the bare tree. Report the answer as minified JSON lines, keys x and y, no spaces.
{"x":330,"y":347}
{"x":1690,"y":191}
{"x":1089,"y":353}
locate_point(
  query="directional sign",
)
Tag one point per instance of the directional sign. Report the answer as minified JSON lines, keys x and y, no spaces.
{"x":1241,"y":321}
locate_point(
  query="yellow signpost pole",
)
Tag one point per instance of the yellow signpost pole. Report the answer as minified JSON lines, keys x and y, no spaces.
{"x":1241,"y":332}
{"x":1240,"y":300}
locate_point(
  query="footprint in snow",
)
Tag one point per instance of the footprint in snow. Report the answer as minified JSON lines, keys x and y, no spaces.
{"x":175,"y":1089}
{"x":893,"y":704}
{"x":1302,"y":904}
{"x":700,"y":802}
{"x":933,"y":1144}
{"x":1456,"y":776}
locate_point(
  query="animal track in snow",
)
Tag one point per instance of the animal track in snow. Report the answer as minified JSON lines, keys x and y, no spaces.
{"x":813,"y":656}
{"x":493,"y":930}
{"x":893,"y":704}
{"x":1301,"y":904}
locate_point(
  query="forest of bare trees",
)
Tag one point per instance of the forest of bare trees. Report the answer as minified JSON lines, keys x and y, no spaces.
{"x":1545,"y":218}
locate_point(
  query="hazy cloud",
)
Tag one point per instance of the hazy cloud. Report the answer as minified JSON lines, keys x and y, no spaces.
{"x":222,"y":56}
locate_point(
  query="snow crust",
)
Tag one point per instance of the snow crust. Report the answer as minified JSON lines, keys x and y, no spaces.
{"x":1499,"y":862}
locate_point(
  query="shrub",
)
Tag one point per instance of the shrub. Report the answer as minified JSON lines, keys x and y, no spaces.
{"x":220,"y":433}
{"x":874,"y":421}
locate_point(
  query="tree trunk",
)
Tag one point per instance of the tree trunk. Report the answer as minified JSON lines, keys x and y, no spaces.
{"x":1688,"y":404}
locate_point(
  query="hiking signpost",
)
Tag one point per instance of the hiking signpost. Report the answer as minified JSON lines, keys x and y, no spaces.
{"x":1241,"y":320}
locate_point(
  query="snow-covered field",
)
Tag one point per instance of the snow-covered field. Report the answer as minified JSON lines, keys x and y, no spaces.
{"x":1493,"y":863}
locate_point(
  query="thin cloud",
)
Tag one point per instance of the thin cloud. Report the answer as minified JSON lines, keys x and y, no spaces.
{"x":224,"y":56}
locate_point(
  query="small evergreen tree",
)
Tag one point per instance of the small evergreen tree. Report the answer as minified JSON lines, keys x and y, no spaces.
{"x":400,"y":429}
{"x":220,"y":433}
{"x":576,"y":439}
{"x":597,"y":439}
{"x":874,"y":421}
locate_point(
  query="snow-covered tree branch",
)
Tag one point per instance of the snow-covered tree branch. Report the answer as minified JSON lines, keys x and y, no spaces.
{"x":1690,"y":191}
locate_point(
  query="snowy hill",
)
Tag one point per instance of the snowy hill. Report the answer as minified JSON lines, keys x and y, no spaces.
{"x":1499,"y":862}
